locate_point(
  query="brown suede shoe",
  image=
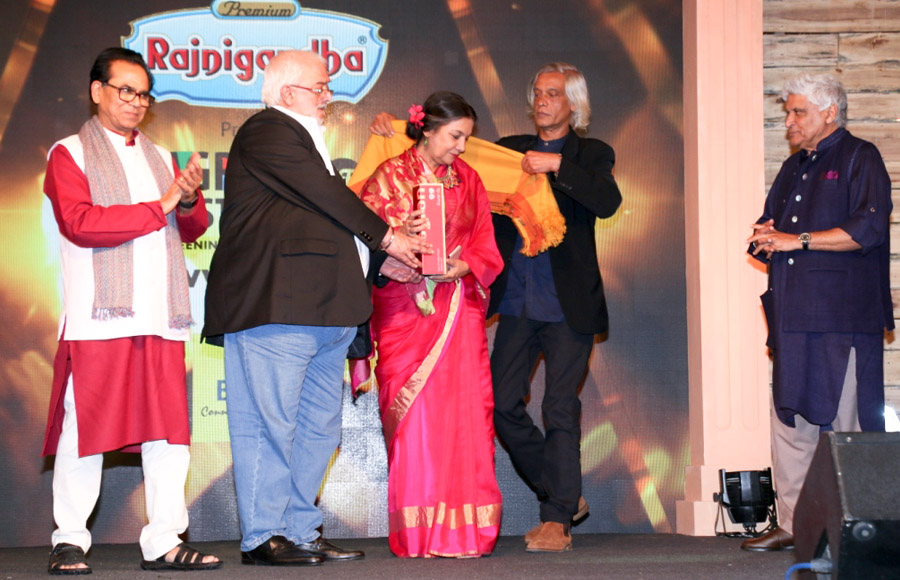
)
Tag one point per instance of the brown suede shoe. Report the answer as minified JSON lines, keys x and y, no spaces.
{"x":551,"y":537}
{"x":532,"y":533}
{"x":774,"y":541}
{"x":583,"y":509}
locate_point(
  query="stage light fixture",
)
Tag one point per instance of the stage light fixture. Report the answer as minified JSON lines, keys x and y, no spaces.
{"x":749,"y":498}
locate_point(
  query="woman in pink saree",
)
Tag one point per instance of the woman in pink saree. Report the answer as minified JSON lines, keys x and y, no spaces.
{"x":433,"y":370}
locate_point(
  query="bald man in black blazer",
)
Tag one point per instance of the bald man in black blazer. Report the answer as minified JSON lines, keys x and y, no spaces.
{"x":287,"y":289}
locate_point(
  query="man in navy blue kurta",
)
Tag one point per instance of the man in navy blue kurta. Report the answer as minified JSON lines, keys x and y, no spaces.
{"x":824,"y":234}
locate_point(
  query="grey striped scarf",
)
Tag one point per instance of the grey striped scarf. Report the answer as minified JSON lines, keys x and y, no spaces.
{"x":114,"y":267}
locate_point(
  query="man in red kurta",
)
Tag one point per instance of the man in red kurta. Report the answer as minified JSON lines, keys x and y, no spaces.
{"x":119,"y":376}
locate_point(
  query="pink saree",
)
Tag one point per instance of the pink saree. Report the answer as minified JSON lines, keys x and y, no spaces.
{"x":434,"y":378}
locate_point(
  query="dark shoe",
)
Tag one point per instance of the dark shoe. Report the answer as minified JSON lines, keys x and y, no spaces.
{"x":325,"y":549}
{"x":279,"y":551}
{"x":185,"y":558}
{"x":774,"y":541}
{"x":64,"y":554}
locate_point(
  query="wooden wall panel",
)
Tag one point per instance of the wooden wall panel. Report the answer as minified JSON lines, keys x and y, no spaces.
{"x":878,"y":50}
{"x":804,"y":50}
{"x":818,"y":16}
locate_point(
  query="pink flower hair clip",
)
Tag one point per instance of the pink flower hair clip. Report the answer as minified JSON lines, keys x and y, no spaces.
{"x":416,"y":114}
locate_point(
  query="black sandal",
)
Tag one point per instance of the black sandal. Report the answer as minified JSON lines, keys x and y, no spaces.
{"x":186,"y":558}
{"x":64,"y":554}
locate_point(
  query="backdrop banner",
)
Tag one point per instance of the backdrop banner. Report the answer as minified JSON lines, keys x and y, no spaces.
{"x":207,"y":59}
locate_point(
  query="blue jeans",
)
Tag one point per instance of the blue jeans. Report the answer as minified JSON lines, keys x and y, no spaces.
{"x":284,"y":386}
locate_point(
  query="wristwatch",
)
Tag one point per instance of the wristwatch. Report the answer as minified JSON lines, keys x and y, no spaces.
{"x":804,"y":239}
{"x":189,"y":204}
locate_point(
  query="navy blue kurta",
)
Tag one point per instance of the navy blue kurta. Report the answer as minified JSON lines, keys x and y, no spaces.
{"x":820,"y":304}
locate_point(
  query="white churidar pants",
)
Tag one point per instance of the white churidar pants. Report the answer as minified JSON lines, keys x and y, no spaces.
{"x":76,"y":487}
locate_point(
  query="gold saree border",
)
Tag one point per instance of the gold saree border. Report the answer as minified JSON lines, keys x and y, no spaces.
{"x":483,"y":516}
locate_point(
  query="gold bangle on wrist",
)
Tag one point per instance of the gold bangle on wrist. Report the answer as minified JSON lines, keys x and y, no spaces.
{"x":389,"y":242}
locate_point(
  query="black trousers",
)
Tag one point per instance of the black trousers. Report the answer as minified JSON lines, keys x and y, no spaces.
{"x":550,"y":463}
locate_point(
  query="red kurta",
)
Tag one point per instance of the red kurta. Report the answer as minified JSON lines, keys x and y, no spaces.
{"x":130,"y":389}
{"x":434,"y":379}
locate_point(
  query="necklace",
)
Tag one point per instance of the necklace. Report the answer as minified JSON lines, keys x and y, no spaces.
{"x":449,"y":179}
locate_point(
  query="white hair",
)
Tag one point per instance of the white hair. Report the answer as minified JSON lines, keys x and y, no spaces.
{"x":822,"y":90}
{"x":284,"y":69}
{"x":576,"y":92}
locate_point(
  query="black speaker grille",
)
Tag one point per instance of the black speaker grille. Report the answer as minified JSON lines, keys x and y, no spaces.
{"x":869,"y":466}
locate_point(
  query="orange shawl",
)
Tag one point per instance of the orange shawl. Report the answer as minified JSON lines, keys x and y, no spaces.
{"x":525,"y":198}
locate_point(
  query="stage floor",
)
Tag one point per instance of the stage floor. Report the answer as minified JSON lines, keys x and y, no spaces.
{"x":606,"y":556}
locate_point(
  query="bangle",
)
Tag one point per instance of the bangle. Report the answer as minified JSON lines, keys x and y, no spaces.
{"x":189,"y":204}
{"x":389,"y":242}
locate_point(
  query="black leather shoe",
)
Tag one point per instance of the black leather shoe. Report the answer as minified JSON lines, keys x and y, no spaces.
{"x":774,"y":541}
{"x":279,"y":551}
{"x":325,"y":549}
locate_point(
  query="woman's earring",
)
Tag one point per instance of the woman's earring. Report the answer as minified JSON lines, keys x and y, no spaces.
{"x":425,"y":143}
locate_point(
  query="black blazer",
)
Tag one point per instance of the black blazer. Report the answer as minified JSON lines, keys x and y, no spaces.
{"x":584,"y":190}
{"x":286,"y":253}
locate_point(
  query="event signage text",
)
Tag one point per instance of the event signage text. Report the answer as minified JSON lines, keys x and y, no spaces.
{"x":214,"y":57}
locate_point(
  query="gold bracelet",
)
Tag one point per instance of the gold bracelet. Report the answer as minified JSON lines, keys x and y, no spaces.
{"x":388,"y":244}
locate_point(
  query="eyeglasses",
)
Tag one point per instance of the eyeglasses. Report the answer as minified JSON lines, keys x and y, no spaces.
{"x":317,"y":91}
{"x":128,"y":94}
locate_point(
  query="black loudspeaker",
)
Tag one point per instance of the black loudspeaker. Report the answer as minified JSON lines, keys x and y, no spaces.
{"x":849,"y":508}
